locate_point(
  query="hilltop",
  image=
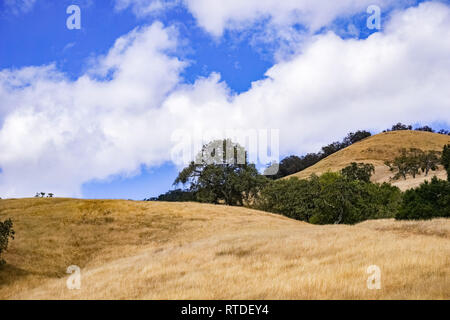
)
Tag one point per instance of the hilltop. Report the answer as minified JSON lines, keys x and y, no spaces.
{"x":157,"y":250}
{"x":380,"y":148}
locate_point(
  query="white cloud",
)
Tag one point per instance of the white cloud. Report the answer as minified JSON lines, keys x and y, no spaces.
{"x":58,"y":134}
{"x":216,"y":16}
{"x":336,"y":85}
{"x":145,"y":7}
{"x":285,"y":25}
{"x":19,"y":6}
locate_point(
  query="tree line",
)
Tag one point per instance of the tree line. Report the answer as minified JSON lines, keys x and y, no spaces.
{"x":42,"y":195}
{"x":412,"y":162}
{"x":430,"y":199}
{"x":400,"y":126}
{"x":293,"y":164}
{"x":345,"y":197}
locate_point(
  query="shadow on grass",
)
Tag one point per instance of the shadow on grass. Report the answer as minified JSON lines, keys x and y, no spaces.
{"x":10,"y":273}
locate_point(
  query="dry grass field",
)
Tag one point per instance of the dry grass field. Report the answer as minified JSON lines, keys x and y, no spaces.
{"x":143,"y":250}
{"x":379,"y":148}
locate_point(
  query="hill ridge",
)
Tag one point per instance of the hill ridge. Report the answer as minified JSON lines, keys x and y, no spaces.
{"x":379,"y":148}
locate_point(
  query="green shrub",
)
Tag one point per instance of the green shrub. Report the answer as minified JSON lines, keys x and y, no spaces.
{"x":388,"y":199}
{"x":445,"y":160}
{"x":330,"y":198}
{"x":6,"y":232}
{"x":429,"y":161}
{"x":430,"y":200}
{"x":340,"y":201}
{"x":412,"y":162}
{"x":351,"y":201}
{"x":358,"y":171}
{"x":177,"y":195}
{"x":293,"y":198}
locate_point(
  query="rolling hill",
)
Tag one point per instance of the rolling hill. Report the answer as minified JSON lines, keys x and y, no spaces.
{"x":379,"y":148}
{"x":155,"y":250}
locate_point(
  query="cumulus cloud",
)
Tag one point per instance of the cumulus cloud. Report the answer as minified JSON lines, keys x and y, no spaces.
{"x":338,"y":85}
{"x":218,"y":16}
{"x":284,"y":26}
{"x":57,"y":134}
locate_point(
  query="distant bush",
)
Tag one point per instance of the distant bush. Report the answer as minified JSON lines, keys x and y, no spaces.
{"x":294,"y":164}
{"x":358,"y":171}
{"x":412,"y":162}
{"x":42,"y":195}
{"x":425,"y":128}
{"x":445,"y":160}
{"x":429,"y":200}
{"x":330,"y":199}
{"x":429,"y":161}
{"x":354,"y":137}
{"x":6,"y":232}
{"x":400,"y":126}
{"x":178,"y":195}
{"x":429,"y":129}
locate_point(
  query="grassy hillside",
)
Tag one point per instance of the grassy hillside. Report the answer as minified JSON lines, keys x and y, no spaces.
{"x":379,"y":148}
{"x":146,"y":250}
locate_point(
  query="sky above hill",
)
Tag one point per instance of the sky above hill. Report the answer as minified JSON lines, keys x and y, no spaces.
{"x":101,"y":111}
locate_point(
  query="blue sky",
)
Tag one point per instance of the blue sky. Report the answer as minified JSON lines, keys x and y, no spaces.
{"x":40,"y":36}
{"x":238,"y":45}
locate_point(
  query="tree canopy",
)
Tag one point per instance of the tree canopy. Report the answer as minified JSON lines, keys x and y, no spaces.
{"x":293,"y":164}
{"x":221,"y":172}
{"x":359,"y":171}
{"x":429,"y":200}
{"x":6,"y":232}
{"x":445,"y":160}
{"x":332,"y":198}
{"x":412,"y":162}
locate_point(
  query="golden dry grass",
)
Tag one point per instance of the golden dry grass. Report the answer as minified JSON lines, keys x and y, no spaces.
{"x":142,"y":250}
{"x":379,"y":148}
